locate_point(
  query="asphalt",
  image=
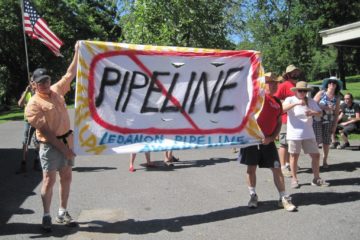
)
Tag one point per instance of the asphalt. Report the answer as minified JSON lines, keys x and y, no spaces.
{"x":204,"y":196}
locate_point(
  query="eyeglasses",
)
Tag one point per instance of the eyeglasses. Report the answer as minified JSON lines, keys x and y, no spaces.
{"x":302,"y":91}
{"x":332,"y":82}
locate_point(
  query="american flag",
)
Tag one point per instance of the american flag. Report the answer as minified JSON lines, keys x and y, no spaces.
{"x":37,"y":28}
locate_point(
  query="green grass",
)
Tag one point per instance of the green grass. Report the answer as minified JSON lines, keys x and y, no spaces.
{"x":15,"y":113}
{"x":354,"y":137}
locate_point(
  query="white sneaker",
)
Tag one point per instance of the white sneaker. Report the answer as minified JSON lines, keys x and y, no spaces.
{"x":286,"y":171}
{"x":286,"y":203}
{"x":253,"y":202}
{"x":319,"y":182}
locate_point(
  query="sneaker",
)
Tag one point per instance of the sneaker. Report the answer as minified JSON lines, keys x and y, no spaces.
{"x":286,"y":171}
{"x":253,"y":203}
{"x":333,"y":145}
{"x":66,"y":219}
{"x":319,"y":182}
{"x":286,"y":203}
{"x":343,"y":146}
{"x":46,"y":223}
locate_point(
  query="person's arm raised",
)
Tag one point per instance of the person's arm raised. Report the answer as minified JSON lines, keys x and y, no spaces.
{"x":22,"y":99}
{"x":63,"y":86}
{"x":71,"y":71}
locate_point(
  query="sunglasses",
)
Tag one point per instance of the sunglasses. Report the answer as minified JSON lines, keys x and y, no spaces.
{"x":302,"y":91}
{"x":43,"y":82}
{"x":332,"y":82}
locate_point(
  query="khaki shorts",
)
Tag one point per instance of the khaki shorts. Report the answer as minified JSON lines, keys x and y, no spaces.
{"x":282,"y":136}
{"x":51,"y":159}
{"x":308,"y":146}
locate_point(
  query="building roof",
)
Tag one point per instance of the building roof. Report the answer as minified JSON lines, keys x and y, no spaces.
{"x":346,"y":35}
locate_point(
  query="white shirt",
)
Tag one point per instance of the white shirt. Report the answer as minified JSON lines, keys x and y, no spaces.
{"x":299,"y":126}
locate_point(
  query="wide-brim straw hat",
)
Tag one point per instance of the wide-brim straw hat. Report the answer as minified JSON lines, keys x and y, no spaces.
{"x":301,"y":85}
{"x":271,"y":77}
{"x":332,"y":79}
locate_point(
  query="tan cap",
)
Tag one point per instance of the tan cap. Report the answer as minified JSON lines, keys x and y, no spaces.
{"x":291,"y":68}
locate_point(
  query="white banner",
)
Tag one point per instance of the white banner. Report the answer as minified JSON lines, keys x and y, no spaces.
{"x":136,"y":98}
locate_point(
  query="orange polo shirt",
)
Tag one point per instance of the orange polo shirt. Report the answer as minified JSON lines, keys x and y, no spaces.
{"x":50,"y":109}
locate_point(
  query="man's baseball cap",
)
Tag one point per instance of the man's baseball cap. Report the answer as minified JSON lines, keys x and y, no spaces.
{"x":40,"y":75}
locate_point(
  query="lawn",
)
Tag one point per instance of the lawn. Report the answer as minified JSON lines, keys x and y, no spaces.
{"x":15,"y":113}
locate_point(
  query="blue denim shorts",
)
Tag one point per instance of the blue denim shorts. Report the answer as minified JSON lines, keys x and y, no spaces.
{"x":52,"y":159}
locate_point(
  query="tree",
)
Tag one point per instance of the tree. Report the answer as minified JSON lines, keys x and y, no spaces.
{"x":71,"y":20}
{"x":180,"y":23}
{"x":287,"y":32}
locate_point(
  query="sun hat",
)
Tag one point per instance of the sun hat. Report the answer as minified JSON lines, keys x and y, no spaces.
{"x":291,"y":68}
{"x":333,"y":79}
{"x":271,"y":77}
{"x":301,"y":85}
{"x":40,"y":75}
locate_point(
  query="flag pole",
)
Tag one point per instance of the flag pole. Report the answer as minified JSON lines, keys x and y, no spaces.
{"x":26,"y":51}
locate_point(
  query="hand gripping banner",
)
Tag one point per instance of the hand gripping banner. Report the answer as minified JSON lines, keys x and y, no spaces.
{"x":138,"y":98}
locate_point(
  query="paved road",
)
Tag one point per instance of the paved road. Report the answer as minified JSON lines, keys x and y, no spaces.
{"x":203,"y":197}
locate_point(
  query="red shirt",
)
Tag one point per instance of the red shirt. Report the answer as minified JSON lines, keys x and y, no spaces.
{"x":269,"y":115}
{"x":284,"y":92}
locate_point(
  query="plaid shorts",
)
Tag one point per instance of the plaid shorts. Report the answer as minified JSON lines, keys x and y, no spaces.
{"x":323,"y":131}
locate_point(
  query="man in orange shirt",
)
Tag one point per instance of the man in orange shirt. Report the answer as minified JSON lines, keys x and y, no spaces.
{"x":46,"y":111}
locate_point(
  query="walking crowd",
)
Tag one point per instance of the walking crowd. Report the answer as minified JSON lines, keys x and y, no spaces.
{"x":289,"y":115}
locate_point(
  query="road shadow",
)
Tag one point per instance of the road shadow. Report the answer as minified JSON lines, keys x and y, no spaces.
{"x":345,"y":182}
{"x":15,"y":188}
{"x":177,"y":224}
{"x":132,"y":226}
{"x":92,"y":169}
{"x":324,"y":198}
{"x":160,"y":166}
{"x":343,"y":167}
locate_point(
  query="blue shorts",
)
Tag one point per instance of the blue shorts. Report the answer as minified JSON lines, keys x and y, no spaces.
{"x":52,"y":159}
